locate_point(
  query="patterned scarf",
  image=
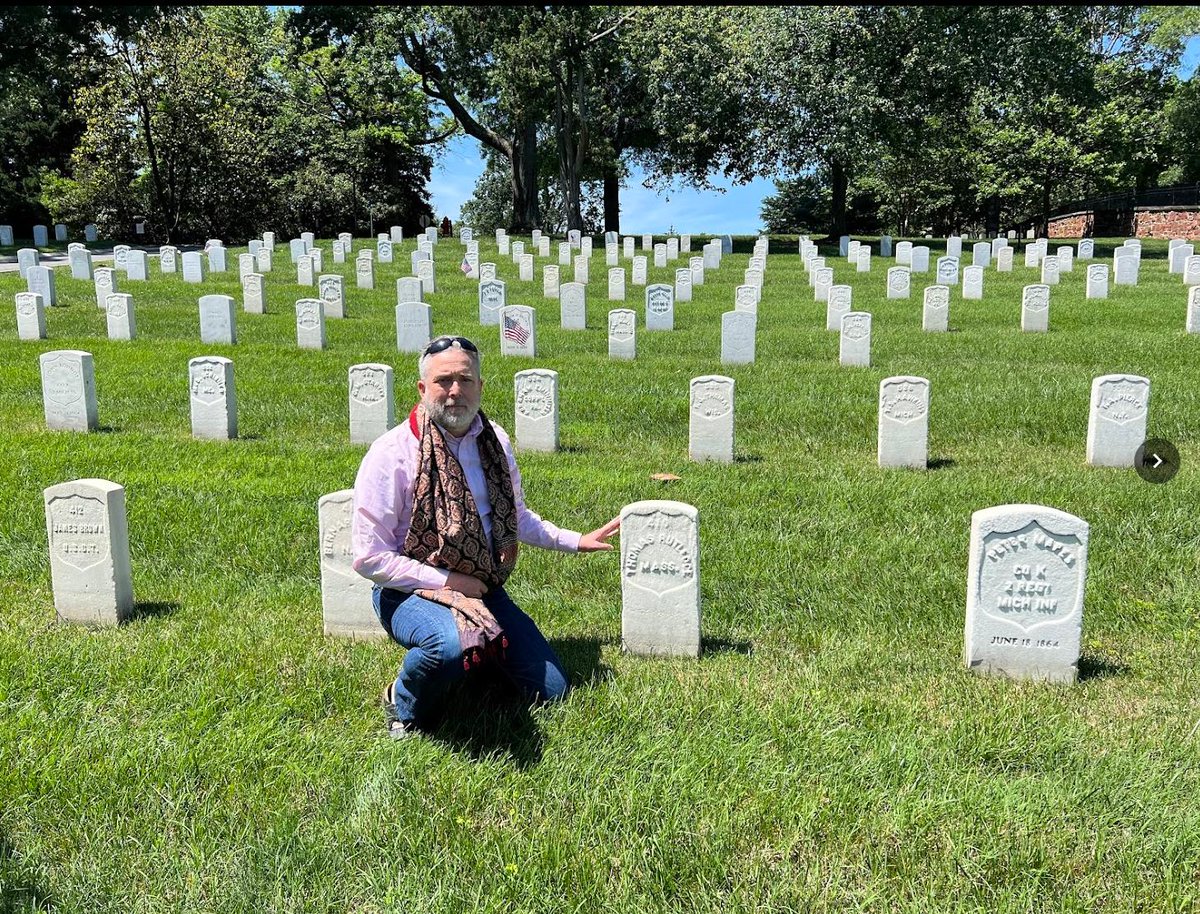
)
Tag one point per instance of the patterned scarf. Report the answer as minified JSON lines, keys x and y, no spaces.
{"x":446,"y":530}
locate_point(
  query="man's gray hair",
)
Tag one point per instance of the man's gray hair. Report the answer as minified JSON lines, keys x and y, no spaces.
{"x":475,"y":356}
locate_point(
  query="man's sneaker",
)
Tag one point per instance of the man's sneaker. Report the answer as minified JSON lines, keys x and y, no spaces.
{"x":396,"y":728}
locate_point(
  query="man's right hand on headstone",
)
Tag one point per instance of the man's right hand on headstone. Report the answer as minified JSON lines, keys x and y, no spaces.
{"x":466,"y":585}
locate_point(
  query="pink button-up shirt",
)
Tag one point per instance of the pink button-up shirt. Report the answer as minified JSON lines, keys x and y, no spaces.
{"x":383,"y":494}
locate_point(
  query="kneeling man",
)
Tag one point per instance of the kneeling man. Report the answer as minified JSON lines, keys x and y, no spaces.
{"x":438,"y":516}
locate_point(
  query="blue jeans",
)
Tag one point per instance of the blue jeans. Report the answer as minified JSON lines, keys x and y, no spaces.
{"x":434,"y":658}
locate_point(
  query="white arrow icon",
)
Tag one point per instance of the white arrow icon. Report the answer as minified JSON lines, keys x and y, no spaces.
{"x":1158,"y":461}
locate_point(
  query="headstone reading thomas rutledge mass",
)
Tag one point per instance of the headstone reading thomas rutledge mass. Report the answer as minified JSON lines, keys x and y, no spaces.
{"x":660,"y":578}
{"x":1025,"y":586}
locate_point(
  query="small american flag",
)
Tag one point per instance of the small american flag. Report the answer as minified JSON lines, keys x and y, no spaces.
{"x":465,"y":266}
{"x":515,"y":332}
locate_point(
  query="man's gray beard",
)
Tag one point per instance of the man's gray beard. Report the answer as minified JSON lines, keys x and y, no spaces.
{"x":456,"y":426}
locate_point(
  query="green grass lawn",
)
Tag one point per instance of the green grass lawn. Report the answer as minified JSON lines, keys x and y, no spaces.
{"x":828,"y":752}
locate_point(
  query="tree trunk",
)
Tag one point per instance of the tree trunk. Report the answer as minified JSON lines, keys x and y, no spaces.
{"x":612,"y":199}
{"x":525,"y":217}
{"x":1045,"y":232}
{"x":837,"y":203}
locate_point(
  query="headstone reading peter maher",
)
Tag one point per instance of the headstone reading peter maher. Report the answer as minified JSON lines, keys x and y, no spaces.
{"x":660,"y":578}
{"x":536,"y":409}
{"x":346,"y":607}
{"x":69,"y":390}
{"x":518,"y":331}
{"x":1025,"y":585}
{"x":904,"y":422}
{"x":622,"y":334}
{"x":89,"y":551}
{"x":213,"y":398}
{"x":1117,"y":419}
{"x":710,"y":429}
{"x":372,"y":402}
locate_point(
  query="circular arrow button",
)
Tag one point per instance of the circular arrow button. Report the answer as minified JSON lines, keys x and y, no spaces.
{"x":1157,"y":460}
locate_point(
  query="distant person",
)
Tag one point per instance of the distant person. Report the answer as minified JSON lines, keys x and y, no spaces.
{"x":438,"y":515}
{"x":447,"y":228}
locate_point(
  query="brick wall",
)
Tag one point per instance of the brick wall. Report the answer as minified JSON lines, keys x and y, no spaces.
{"x":1167,"y":223}
{"x":1148,"y":222}
{"x":1073,"y":225}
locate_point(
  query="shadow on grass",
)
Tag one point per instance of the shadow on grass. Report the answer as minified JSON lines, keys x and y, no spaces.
{"x":1095,"y":666}
{"x":486,"y":716}
{"x":150,"y":610}
{"x":108,"y":429}
{"x":748,"y":458}
{"x":572,"y":449}
{"x":18,"y":893}
{"x":724,"y":646}
{"x":940,"y":463}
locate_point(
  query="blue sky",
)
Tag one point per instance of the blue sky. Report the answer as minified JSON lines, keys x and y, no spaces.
{"x":736,"y":211}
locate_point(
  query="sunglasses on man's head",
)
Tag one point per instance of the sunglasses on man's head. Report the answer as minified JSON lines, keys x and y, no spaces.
{"x":445,"y":342}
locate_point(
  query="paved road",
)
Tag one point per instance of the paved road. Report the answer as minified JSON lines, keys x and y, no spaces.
{"x":8,"y":262}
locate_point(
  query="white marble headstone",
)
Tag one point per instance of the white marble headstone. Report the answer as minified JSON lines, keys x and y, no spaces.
{"x":550,"y":275}
{"x":536,"y":409}
{"x":414,"y":326}
{"x":1025,"y":586}
{"x":69,"y":390}
{"x":660,"y":579}
{"x":213,"y":398}
{"x":193,"y":266}
{"x":1097,"y":280}
{"x":88,"y":536}
{"x":622,"y":334}
{"x":904,"y":422}
{"x":572,"y":304}
{"x":492,"y":297}
{"x":837,"y":305}
{"x":855,"y":342}
{"x":737,"y":337}
{"x":972,"y":284}
{"x":518,"y":331}
{"x":329,"y":287}
{"x":346,"y":596}
{"x":40,"y":281}
{"x":81,"y":264}
{"x":119,"y":317}
{"x":105,"y":280}
{"x":899,"y":282}
{"x":216,"y":319}
{"x":310,"y":323}
{"x":935,"y":314}
{"x":660,"y":307}
{"x":409,"y":288}
{"x":947,"y":271}
{"x":253,"y":297}
{"x":31,"y":316}
{"x":372,"y":401}
{"x":1117,"y":419}
{"x":1035,"y":308}
{"x":710,"y":411}
{"x":364,"y":272}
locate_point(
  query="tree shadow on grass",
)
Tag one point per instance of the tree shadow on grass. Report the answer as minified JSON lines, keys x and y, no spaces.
{"x":19,"y":894}
{"x":143,"y":609}
{"x":1096,"y":666}
{"x":748,"y":458}
{"x":940,"y":463}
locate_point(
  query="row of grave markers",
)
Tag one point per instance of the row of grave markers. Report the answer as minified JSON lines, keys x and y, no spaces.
{"x":1025,"y":580}
{"x":1117,"y":417}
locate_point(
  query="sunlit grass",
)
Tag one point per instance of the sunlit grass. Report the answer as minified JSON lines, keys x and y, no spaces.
{"x":827,"y":753}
